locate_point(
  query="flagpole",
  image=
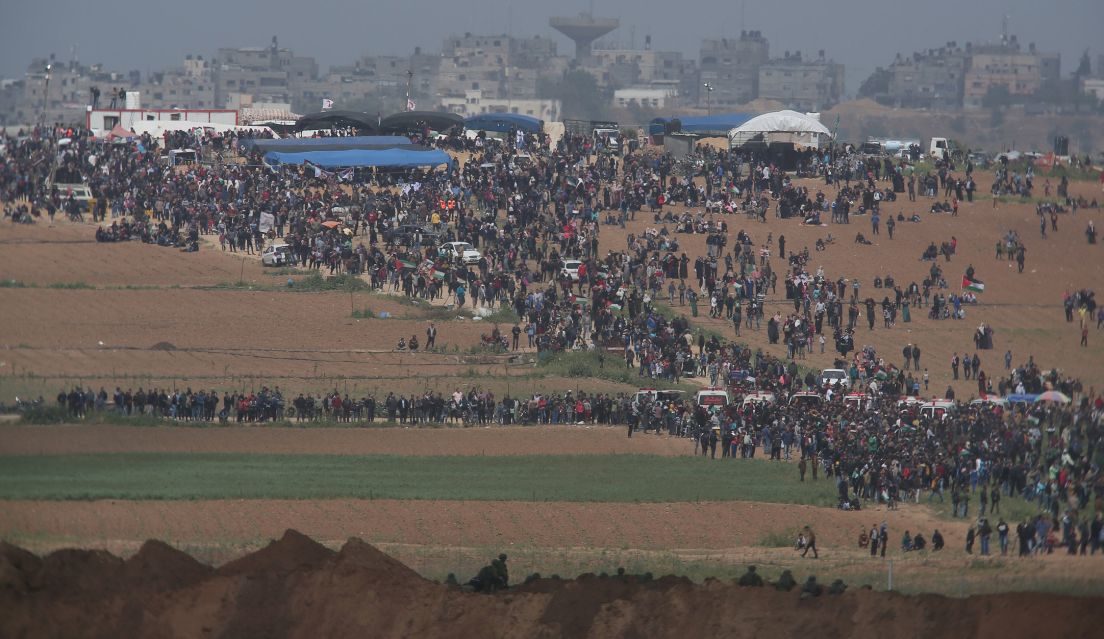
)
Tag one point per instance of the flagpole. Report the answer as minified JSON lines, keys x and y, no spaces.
{"x":409,"y":81}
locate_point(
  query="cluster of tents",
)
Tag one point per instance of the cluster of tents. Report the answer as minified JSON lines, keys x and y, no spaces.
{"x":785,"y":127}
{"x":385,"y":142}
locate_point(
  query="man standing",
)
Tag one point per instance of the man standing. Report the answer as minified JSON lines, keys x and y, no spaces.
{"x":810,"y":543}
{"x":954,"y":364}
{"x":431,"y":336}
{"x":874,"y":540}
{"x":1002,"y":536}
{"x":801,"y":465}
{"x":916,"y":356}
{"x":516,"y":331}
{"x":883,"y":538}
{"x":907,"y":353}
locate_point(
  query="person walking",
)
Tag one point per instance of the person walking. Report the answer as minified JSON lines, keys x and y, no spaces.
{"x":810,"y":543}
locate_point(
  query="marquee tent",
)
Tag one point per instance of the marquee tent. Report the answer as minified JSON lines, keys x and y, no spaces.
{"x":404,"y":121}
{"x":390,"y":158}
{"x":780,"y":126}
{"x":503,"y":123}
{"x":334,"y":119}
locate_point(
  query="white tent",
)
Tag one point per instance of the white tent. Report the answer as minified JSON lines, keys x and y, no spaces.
{"x":780,"y":126}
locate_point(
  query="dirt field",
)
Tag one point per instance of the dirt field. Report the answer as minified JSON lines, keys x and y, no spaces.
{"x":1025,"y":310}
{"x":548,"y":440}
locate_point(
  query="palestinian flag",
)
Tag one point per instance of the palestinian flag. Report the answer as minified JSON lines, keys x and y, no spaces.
{"x":972,"y":285}
{"x":407,"y":264}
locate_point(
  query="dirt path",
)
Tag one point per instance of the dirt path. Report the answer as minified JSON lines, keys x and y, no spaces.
{"x":542,"y":440}
{"x":665,"y":526}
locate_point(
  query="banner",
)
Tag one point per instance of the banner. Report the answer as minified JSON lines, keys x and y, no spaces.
{"x":327,"y":104}
{"x":268,"y":220}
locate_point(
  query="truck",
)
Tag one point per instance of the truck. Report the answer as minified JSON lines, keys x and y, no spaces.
{"x":605,"y":135}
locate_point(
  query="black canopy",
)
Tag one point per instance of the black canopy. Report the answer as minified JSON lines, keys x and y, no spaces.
{"x":414,"y":120}
{"x":337,"y":119}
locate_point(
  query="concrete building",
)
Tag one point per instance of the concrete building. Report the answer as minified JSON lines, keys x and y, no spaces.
{"x":731,"y":68}
{"x":1021,"y":73}
{"x":928,"y":80}
{"x":271,"y":74}
{"x":473,"y":102}
{"x":800,"y":83}
{"x":644,"y":97}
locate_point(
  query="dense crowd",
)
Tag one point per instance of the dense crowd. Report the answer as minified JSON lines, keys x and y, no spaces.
{"x":531,"y":206}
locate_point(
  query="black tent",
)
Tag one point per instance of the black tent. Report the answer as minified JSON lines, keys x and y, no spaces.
{"x":338,"y":119}
{"x":405,"y":121}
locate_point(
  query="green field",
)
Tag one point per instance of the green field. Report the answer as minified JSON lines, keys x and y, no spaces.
{"x":584,"y":478}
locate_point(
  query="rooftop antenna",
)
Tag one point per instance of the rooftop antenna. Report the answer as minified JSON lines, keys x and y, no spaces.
{"x":1004,"y":29}
{"x":743,"y":6}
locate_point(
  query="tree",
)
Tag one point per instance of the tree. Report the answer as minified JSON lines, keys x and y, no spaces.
{"x":1084,"y":68}
{"x":877,"y":84}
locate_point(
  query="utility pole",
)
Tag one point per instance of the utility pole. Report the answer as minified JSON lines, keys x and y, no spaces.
{"x":708,"y":92}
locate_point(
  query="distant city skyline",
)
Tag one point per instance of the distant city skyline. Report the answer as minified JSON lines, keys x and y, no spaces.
{"x":127,"y":35}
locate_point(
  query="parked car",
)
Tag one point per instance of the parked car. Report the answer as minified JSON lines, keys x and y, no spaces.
{"x":404,"y":235}
{"x":806,"y":399}
{"x":571,"y":269}
{"x":459,"y":252}
{"x":835,"y":377}
{"x":276,"y":255}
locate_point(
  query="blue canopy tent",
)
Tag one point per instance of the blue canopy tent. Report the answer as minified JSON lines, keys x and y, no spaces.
{"x":300,"y":145}
{"x":390,"y":158}
{"x":504,"y":123}
{"x":702,"y":126}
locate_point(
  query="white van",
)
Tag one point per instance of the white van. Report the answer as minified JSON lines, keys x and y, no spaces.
{"x":652,"y":395}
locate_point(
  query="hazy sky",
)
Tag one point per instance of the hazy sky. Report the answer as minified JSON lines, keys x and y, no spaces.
{"x":862,"y":34}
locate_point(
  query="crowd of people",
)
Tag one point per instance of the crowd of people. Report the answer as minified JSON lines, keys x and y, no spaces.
{"x":531,"y":206}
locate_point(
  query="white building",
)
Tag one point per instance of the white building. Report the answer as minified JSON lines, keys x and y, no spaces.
{"x":473,"y":103}
{"x":643,"y":97}
{"x":106,"y":119}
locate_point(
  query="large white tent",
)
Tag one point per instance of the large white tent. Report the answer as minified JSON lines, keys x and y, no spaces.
{"x":780,"y":126}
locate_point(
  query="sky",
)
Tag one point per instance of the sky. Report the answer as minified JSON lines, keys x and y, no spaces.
{"x":862,"y":34}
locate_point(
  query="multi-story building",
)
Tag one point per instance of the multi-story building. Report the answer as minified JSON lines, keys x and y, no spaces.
{"x":800,"y":83}
{"x":932,"y":79}
{"x":271,"y":74}
{"x":728,"y":70}
{"x":1005,"y":65}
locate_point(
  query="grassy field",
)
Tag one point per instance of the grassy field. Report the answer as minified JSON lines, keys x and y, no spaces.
{"x":590,"y":478}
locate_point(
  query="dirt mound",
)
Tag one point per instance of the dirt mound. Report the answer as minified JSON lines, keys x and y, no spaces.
{"x":296,"y":588}
{"x":163,"y":346}
{"x":291,"y":552}
{"x":158,"y":566}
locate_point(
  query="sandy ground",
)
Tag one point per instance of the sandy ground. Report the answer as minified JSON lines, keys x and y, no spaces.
{"x":1025,"y":310}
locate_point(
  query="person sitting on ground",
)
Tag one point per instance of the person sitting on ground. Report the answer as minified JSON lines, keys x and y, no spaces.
{"x":402,"y":344}
{"x":860,"y":239}
{"x":837,"y":587}
{"x":937,"y":540}
{"x":811,"y":588}
{"x":785,"y":581}
{"x":751,"y":578}
{"x":906,"y":542}
{"x":413,"y":344}
{"x":918,"y":542}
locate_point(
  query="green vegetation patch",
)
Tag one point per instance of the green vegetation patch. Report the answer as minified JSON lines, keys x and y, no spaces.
{"x":574,"y":478}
